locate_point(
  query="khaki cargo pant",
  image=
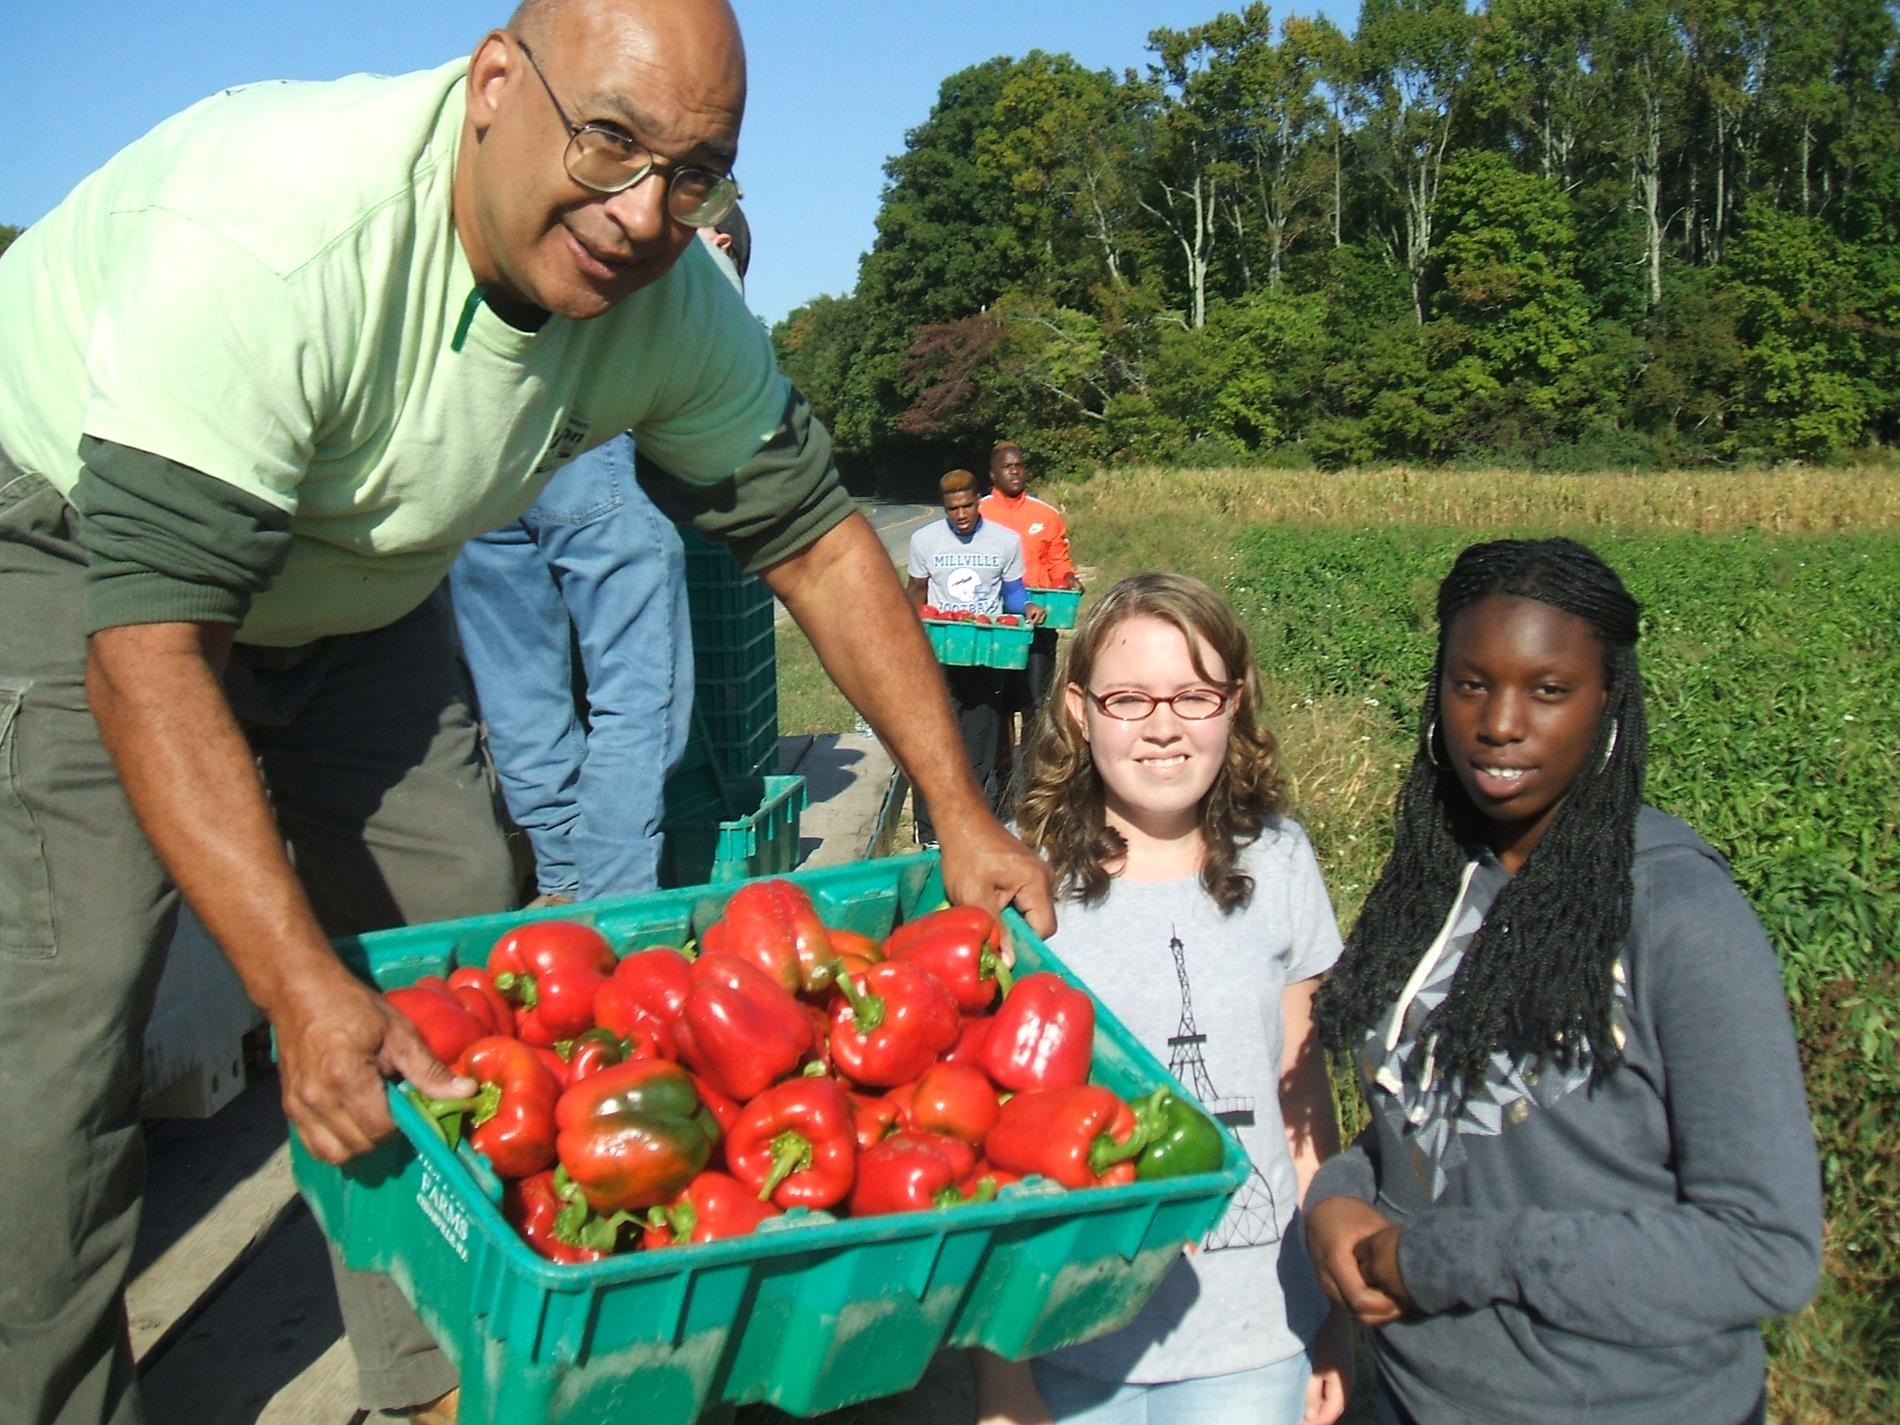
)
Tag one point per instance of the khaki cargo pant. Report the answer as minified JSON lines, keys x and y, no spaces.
{"x":369,"y":752}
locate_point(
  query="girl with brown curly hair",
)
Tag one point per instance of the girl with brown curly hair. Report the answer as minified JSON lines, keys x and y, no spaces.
{"x":1193,"y":908}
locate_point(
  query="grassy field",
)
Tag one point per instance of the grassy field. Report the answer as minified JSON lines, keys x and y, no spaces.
{"x":1772,"y":653}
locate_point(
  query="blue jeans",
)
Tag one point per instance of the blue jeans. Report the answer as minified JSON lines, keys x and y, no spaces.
{"x":1271,"y":1395}
{"x":594,"y":566}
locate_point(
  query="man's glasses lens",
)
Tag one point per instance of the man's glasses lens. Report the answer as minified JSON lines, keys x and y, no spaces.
{"x":608,"y":163}
{"x":1195,"y":704}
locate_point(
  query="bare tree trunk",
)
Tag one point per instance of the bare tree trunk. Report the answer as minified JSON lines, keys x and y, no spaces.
{"x":1807,"y":144}
{"x":1649,"y":192}
{"x":1720,"y":214}
{"x":1098,"y":220}
{"x":1196,"y":239}
{"x":1339,"y":177}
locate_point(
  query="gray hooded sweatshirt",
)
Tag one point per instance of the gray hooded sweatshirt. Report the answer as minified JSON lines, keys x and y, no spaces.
{"x":1599,"y":1253}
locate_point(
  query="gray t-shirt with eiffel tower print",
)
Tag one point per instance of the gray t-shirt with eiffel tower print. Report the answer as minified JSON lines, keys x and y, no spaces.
{"x":1202,"y":991}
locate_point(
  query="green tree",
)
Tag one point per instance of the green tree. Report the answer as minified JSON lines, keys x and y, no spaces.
{"x":936,"y":255}
{"x":1184,"y":171}
{"x":1643,"y":71}
{"x":7,"y":235}
{"x":1414,"y":63}
{"x":1062,"y":144}
{"x":1536,"y":60}
{"x":1805,"y":389}
{"x":1247,"y":381}
{"x":1509,"y":279}
{"x":1327,"y":51}
{"x":825,"y":347}
{"x":1273,"y":132}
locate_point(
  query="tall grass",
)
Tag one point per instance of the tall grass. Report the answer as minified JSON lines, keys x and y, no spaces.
{"x":1791,"y":501}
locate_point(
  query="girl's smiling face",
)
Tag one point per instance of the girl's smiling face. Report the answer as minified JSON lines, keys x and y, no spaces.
{"x":1521,"y":694}
{"x":1155,"y":770}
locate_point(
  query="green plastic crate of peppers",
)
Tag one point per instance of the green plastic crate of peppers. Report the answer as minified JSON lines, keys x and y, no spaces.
{"x":809,"y":1314}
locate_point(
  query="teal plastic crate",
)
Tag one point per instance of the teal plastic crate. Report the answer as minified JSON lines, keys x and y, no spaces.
{"x":810,"y":1316}
{"x":729,"y":608}
{"x":722,"y":662}
{"x":740,"y":733}
{"x":736,"y":628}
{"x":986,"y":645}
{"x":1063,"y":605}
{"x":764,"y":842}
{"x":952,"y":642}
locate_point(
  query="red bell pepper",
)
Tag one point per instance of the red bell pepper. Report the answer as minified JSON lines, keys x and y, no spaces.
{"x":899,"y":1096}
{"x":912,"y":1172}
{"x":795,"y":1144}
{"x":1080,"y":1135}
{"x":960,"y":1155}
{"x":962,"y":945}
{"x":647,"y":988}
{"x":957,"y":1099}
{"x":1042,"y":1037}
{"x":873,"y":1119}
{"x":442,"y":1020}
{"x":633,"y":1135}
{"x":971,"y":1037}
{"x":985,"y":1169}
{"x":774,"y":925}
{"x":556,"y":1065}
{"x":818,"y":1058}
{"x":891,"y":1024}
{"x":855,"y":952}
{"x":534,"y":1208}
{"x":587,"y":1054}
{"x":510,"y":1118}
{"x":551,"y":969}
{"x":725,"y":1109}
{"x":740,"y":1029}
{"x":712,"y":1207}
{"x":475,"y":988}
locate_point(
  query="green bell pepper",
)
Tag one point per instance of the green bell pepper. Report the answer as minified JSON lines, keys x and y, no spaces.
{"x":1184,"y":1141}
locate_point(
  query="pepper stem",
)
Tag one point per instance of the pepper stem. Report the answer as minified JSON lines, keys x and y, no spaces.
{"x":993,"y":964}
{"x":601,"y":1234}
{"x":791,"y":1153}
{"x":867,"y":1009}
{"x":984,"y":1191}
{"x":1105,"y":1152}
{"x":518,"y":988}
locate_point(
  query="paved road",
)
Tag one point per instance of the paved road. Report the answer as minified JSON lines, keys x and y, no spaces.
{"x":895,"y":523}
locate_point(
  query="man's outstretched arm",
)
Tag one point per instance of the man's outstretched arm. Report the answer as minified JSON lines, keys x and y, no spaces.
{"x":845,"y":595}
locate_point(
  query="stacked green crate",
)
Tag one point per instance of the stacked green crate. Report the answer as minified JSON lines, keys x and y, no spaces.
{"x":721,"y":783}
{"x":762,"y":843}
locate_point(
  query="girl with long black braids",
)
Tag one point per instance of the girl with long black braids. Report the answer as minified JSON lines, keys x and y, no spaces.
{"x":1589,"y":1172}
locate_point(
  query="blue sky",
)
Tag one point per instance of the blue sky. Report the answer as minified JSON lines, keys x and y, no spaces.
{"x":834,"y":86}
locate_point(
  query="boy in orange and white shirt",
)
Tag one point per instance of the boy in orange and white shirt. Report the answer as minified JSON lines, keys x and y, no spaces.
{"x":1046,"y":565}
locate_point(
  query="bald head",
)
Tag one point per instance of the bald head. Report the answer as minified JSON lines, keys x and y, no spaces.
{"x":692,"y":41}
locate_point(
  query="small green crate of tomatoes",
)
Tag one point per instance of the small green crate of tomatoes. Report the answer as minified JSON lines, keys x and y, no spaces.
{"x":958,"y":636}
{"x":780,"y":1141}
{"x":1061,"y":606}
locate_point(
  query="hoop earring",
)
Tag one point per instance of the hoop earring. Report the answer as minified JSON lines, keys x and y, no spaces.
{"x":1431,"y":744}
{"x":1609,"y":748}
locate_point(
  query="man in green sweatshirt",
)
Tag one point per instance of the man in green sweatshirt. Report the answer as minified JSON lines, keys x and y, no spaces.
{"x":261,"y":375}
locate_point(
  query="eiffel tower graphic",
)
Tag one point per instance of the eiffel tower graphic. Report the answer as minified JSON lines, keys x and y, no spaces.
{"x":1250,"y":1220}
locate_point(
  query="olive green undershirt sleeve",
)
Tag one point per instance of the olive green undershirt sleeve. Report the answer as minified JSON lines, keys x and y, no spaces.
{"x":169,"y":544}
{"x":777,"y":503}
